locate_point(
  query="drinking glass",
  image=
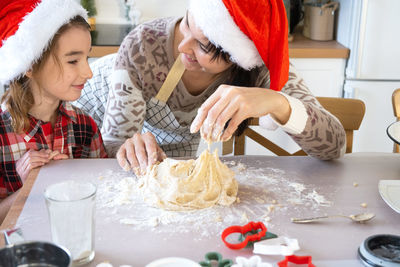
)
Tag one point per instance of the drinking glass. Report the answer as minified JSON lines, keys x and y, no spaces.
{"x":71,"y":208}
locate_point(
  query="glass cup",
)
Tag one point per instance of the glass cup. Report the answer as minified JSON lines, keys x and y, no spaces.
{"x":71,"y":207}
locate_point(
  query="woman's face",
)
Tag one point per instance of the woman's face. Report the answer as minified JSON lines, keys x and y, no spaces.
{"x":65,"y":80}
{"x":193,"y":47}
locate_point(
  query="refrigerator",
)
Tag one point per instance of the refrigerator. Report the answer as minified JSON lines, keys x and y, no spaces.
{"x":371,"y":30}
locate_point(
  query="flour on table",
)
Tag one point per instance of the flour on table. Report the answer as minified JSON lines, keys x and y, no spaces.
{"x":264,"y":193}
{"x":189,"y":184}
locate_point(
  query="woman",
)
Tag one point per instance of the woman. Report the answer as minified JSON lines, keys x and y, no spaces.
{"x":236,"y":58}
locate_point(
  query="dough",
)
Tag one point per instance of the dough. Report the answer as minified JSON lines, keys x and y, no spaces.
{"x":189,"y":184}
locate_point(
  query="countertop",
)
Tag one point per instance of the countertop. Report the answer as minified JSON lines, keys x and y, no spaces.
{"x":299,"y":187}
{"x":106,"y":39}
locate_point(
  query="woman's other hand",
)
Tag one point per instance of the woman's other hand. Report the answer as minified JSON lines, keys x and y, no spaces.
{"x":30,"y":160}
{"x":138,"y":152}
{"x":237,"y":104}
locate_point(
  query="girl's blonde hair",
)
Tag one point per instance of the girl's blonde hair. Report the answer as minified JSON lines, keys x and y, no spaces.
{"x":19,"y":98}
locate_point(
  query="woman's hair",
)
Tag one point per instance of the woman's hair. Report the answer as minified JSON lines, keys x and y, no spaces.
{"x":239,"y":77}
{"x":19,"y":98}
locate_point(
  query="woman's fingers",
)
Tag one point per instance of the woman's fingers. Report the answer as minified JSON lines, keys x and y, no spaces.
{"x":126,"y":156}
{"x":202,"y":113}
{"x":140,"y":151}
{"x":151,"y":147}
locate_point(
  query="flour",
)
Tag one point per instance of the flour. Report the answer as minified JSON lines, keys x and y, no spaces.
{"x":264,"y":193}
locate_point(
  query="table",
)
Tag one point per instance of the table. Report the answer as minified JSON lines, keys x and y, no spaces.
{"x":332,"y":242}
{"x":393,"y":131}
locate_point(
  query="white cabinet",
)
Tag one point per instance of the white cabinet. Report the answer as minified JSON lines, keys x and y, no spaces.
{"x":323,"y":76}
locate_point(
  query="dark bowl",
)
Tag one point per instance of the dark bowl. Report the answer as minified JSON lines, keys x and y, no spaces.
{"x":38,"y":254}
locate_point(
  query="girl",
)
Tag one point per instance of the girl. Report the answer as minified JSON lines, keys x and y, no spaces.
{"x":45,"y":67}
{"x":235,"y":55}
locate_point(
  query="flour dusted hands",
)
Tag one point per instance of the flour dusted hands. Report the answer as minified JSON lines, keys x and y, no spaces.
{"x":237,"y":104}
{"x":138,"y":152}
{"x":33,"y":159}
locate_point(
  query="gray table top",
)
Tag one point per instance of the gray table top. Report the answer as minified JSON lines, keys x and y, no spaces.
{"x":135,"y":234}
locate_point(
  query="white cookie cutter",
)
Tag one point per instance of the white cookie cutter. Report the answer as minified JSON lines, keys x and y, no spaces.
{"x":254,"y":261}
{"x":276,"y":246}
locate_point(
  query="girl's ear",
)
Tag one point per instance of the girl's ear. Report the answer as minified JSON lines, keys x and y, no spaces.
{"x":29,"y":74}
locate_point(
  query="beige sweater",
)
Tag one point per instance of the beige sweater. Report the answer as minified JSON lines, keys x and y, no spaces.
{"x":141,"y":66}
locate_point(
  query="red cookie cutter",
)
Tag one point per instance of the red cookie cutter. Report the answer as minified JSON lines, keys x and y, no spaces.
{"x":251,"y":226}
{"x":297,"y":260}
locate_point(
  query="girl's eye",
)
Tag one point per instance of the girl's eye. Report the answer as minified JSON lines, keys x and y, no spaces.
{"x":73,"y":62}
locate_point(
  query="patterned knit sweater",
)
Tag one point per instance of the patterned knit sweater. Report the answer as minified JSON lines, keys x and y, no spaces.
{"x":140,"y":68}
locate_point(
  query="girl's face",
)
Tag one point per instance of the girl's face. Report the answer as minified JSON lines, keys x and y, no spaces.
{"x":64,"y":80}
{"x":193,"y":47}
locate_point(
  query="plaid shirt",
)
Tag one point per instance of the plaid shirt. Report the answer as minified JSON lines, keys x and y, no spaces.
{"x":75,"y":134}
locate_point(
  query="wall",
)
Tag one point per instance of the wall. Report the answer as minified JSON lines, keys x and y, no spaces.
{"x":113,"y":11}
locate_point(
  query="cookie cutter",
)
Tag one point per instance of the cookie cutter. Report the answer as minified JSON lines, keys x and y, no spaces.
{"x":215,"y":257}
{"x":278,"y":246}
{"x":296,"y":260}
{"x":257,"y":231}
{"x":253,"y":261}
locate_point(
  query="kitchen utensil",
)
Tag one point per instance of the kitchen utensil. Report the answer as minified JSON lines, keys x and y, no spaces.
{"x":32,"y":253}
{"x":215,"y":257}
{"x":360,"y":218}
{"x":258,"y":228}
{"x":380,"y":250}
{"x":173,"y":262}
{"x":319,"y":20}
{"x":297,"y":260}
{"x":390,"y":193}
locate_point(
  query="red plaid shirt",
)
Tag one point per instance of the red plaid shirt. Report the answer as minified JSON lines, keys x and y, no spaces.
{"x":75,"y":134}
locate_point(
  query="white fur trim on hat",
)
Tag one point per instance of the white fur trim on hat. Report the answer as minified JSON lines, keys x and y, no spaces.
{"x":213,"y":18}
{"x":34,"y":34}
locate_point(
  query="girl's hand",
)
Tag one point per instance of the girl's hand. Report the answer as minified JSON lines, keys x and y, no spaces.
{"x":30,"y":160}
{"x":237,"y":104}
{"x":138,"y":152}
{"x":56,"y":155}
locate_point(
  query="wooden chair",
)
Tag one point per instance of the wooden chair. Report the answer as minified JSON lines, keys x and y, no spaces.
{"x":350,"y":113}
{"x":396,"y":111}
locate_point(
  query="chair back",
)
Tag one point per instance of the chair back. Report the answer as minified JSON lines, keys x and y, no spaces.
{"x":350,"y":113}
{"x":396,"y":111}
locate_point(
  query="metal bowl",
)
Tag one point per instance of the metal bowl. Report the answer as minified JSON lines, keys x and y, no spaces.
{"x":38,"y":254}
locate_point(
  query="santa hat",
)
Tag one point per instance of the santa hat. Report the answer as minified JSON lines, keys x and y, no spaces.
{"x":253,"y":32}
{"x":27,"y":28}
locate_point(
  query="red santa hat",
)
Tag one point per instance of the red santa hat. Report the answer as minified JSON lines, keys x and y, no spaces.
{"x":253,"y":32}
{"x":27,"y":28}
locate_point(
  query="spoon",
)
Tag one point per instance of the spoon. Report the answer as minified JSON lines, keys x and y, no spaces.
{"x":360,"y":218}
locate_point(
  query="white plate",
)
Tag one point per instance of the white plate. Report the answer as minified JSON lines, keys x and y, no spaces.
{"x":390,"y":192}
{"x":173,"y":262}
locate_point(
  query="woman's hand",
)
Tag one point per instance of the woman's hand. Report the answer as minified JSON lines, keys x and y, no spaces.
{"x":237,"y":104}
{"x":138,"y":152}
{"x":30,"y":160}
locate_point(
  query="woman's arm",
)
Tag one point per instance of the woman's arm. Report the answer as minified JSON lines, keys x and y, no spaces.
{"x":313,"y":128}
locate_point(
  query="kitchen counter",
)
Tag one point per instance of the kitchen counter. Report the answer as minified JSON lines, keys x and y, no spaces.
{"x":106,"y":39}
{"x":299,"y":187}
